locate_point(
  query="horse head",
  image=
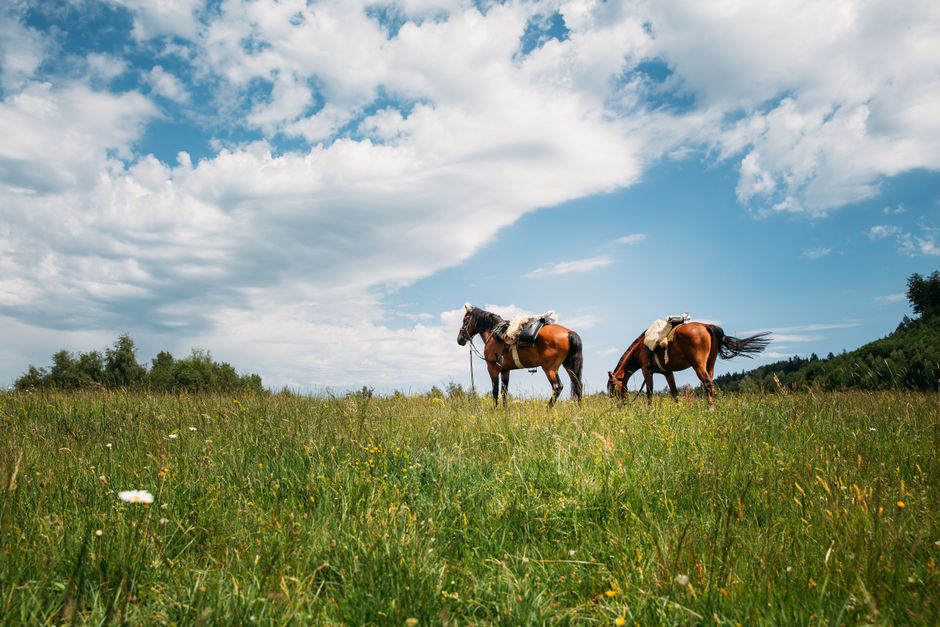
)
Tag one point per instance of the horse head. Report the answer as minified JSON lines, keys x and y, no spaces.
{"x":468,"y":328}
{"x":615,"y":386}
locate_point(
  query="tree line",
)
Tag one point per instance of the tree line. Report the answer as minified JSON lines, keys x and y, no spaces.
{"x":908,"y":358}
{"x":118,"y":368}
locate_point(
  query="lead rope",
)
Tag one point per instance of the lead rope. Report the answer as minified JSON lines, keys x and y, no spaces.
{"x":472,"y":385}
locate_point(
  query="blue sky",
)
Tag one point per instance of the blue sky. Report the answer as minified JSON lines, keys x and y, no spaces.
{"x":311,"y":191}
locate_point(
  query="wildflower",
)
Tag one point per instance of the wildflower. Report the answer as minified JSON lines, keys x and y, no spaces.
{"x":163,"y":522}
{"x":901,"y":505}
{"x":192,"y":428}
{"x":572,"y":552}
{"x":103,"y":479}
{"x":610,"y":593}
{"x":173,"y":436}
{"x":682,"y":580}
{"x":620,"y":621}
{"x":108,"y":445}
{"x":99,"y":533}
{"x":136,"y":496}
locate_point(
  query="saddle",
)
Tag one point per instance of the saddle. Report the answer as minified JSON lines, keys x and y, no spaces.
{"x":524,"y":330}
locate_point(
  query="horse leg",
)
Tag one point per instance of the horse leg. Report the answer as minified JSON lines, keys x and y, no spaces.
{"x":494,"y":376}
{"x":648,"y":379}
{"x":504,"y":375}
{"x":556,"y":383}
{"x":710,"y":364}
{"x":702,"y":373}
{"x":671,"y":380}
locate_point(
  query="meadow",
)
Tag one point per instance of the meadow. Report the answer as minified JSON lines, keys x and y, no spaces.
{"x":795,"y":509}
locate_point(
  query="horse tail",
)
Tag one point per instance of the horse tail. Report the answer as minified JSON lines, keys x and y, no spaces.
{"x":574,"y":363}
{"x":730,"y":346}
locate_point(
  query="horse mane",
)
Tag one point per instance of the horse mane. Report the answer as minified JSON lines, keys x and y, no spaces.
{"x":628,"y":353}
{"x":485,"y":320}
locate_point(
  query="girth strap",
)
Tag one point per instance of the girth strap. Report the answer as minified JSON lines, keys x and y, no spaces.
{"x":657,"y":361}
{"x":515,"y":356}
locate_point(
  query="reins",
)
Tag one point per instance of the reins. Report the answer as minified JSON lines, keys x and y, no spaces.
{"x":640,"y":389}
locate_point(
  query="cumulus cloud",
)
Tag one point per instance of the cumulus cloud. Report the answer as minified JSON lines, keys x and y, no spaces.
{"x":164,"y":18}
{"x":167,"y":85}
{"x":819,"y":120}
{"x":21,"y":48}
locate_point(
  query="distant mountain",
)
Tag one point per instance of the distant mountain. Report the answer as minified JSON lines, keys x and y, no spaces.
{"x":908,"y":358}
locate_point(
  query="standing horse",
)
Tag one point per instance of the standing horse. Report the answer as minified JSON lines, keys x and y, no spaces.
{"x":555,"y":346}
{"x":694,"y":345}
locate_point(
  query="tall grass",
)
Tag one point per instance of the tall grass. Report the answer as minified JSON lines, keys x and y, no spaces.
{"x":798,"y":509}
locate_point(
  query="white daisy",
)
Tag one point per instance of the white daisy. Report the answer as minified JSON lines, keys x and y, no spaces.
{"x":136,"y":496}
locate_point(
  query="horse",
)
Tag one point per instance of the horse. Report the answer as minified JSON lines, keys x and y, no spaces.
{"x":555,"y":347}
{"x":694,"y":345}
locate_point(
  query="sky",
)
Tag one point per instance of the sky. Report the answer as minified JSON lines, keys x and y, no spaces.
{"x":311,"y":191}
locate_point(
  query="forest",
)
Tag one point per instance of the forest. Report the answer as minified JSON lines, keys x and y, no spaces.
{"x":118,"y":368}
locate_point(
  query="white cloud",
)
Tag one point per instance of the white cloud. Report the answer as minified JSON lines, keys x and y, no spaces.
{"x":790,"y":337}
{"x":61,"y":137}
{"x":633,"y":238}
{"x":167,"y":85}
{"x":21,"y":49}
{"x":569,"y":267}
{"x":164,"y":18}
{"x":926,"y":243}
{"x":857,"y":99}
{"x":891,"y":299}
{"x":882,"y":231}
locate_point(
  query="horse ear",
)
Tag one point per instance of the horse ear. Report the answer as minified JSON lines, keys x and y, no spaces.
{"x":610,"y":374}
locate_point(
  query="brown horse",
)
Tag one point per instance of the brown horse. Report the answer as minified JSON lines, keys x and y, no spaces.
{"x":694,"y":345}
{"x":555,"y":346}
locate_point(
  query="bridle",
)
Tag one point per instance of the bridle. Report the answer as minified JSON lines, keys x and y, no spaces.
{"x":464,"y":334}
{"x":624,"y":392}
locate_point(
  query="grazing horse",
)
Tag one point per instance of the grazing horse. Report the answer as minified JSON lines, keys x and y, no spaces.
{"x":694,"y":345}
{"x":555,"y":346}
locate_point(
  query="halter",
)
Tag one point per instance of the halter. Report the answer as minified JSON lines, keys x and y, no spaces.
{"x":473,"y":348}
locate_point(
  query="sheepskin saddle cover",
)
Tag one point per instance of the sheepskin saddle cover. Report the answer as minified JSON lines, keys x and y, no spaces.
{"x":660,"y":333}
{"x":524,"y":330}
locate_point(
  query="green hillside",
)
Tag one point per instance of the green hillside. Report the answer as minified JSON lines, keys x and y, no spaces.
{"x":908,"y":358}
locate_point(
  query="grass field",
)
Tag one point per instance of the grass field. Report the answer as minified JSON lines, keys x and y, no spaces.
{"x":797,"y":509}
